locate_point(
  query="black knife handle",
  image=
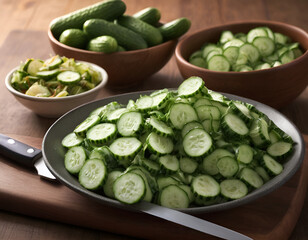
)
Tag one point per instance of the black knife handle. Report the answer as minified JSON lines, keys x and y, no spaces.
{"x":18,"y":151}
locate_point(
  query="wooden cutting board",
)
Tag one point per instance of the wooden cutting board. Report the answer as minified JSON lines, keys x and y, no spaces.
{"x":22,"y":191}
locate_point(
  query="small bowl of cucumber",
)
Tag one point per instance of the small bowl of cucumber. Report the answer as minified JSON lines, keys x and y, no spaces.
{"x":130,"y":47}
{"x":262,"y":60}
{"x":54,"y":86}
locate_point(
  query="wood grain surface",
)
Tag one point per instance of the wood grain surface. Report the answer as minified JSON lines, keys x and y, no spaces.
{"x":24,"y":34}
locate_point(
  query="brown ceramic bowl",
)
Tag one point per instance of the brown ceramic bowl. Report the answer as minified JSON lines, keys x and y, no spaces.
{"x":125,"y":69}
{"x":276,"y":86}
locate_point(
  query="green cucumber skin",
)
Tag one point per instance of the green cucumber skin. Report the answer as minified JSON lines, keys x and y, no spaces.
{"x":175,"y":28}
{"x":125,"y":37}
{"x":149,"y":15}
{"x":109,"y":10}
{"x":149,"y":33}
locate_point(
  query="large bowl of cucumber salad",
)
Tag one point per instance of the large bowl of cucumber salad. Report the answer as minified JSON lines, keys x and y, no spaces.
{"x":261,"y":60}
{"x":191,"y":149}
{"x":54,"y":86}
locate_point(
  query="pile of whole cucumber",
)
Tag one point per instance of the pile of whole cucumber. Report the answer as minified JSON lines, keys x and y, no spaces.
{"x":103,"y":27}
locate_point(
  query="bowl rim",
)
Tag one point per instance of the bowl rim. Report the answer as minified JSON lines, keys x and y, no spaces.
{"x":83,"y":51}
{"x":54,"y":99}
{"x":181,"y":59}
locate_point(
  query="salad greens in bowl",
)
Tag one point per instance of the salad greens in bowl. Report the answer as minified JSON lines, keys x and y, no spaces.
{"x":54,"y":86}
{"x":192,"y":149}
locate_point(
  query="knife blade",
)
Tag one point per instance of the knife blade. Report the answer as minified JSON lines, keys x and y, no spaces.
{"x":32,"y":157}
{"x":25,"y":155}
{"x":189,"y":221}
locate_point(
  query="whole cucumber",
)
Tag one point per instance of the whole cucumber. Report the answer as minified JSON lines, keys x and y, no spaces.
{"x":108,"y":10}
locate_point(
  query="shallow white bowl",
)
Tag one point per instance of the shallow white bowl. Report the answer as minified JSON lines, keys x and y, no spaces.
{"x":55,"y":107}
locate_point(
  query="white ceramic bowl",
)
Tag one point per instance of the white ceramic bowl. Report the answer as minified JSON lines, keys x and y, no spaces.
{"x":55,"y":107}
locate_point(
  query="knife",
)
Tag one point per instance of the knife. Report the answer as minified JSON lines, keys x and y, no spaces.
{"x":32,"y":157}
{"x":25,"y":155}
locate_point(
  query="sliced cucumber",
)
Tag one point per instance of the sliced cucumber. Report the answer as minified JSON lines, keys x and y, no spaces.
{"x":74,"y":159}
{"x":245,"y":154}
{"x":129,"y":188}
{"x":93,"y":174}
{"x":271,"y":165}
{"x":125,"y":147}
{"x":159,"y":144}
{"x":71,"y":140}
{"x":227,"y":166}
{"x":188,"y":165}
{"x":219,"y":63}
{"x":89,"y":122}
{"x":160,"y":127}
{"x":205,"y":187}
{"x":169,"y":163}
{"x":182,"y":113}
{"x":265,"y":45}
{"x":197,"y":143}
{"x":101,"y":133}
{"x":280,"y":149}
{"x":129,"y":123}
{"x":251,"y":177}
{"x":233,"y":126}
{"x":233,"y":189}
{"x":108,"y":185}
{"x":191,"y":87}
{"x":173,"y":196}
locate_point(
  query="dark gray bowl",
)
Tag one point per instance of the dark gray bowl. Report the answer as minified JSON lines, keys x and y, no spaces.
{"x":53,"y":153}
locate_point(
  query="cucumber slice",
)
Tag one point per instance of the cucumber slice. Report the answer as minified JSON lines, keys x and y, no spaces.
{"x":227,"y":166}
{"x":101,"y":133}
{"x":287,"y":57}
{"x":69,"y":77}
{"x":47,"y":75}
{"x":115,"y":114}
{"x":173,"y":196}
{"x":166,"y":181}
{"x":93,"y":174}
{"x":190,"y":87}
{"x":108,"y":185}
{"x":226,"y":36}
{"x":159,"y":144}
{"x":129,"y":123}
{"x":160,"y":127}
{"x":89,"y":122}
{"x":34,"y":66}
{"x":189,"y":126}
{"x":125,"y":147}
{"x":198,"y":61}
{"x":71,"y":140}
{"x":151,"y":166}
{"x":250,"y":51}
{"x":144,"y":103}
{"x":209,"y":163}
{"x":182,"y":113}
{"x":251,"y":177}
{"x":265,"y":45}
{"x":242,"y":110}
{"x":169,"y":163}
{"x":188,"y":165}
{"x":233,"y":126}
{"x":280,"y":150}
{"x":208,"y":112}
{"x":244,"y":154}
{"x":207,"y":49}
{"x":202,"y":101}
{"x":205,"y":187}
{"x":233,"y":189}
{"x":197,"y":143}
{"x":52,"y":63}
{"x":233,"y":43}
{"x":129,"y":188}
{"x":271,"y":165}
{"x":219,"y":63}
{"x":231,"y":53}
{"x":256,"y":32}
{"x":74,"y":159}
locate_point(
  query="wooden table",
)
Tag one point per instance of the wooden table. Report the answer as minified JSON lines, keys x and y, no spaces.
{"x":23,"y":34}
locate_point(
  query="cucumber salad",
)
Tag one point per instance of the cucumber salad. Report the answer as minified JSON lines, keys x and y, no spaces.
{"x":260,"y":48}
{"x":54,"y":77}
{"x":179,"y":149}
